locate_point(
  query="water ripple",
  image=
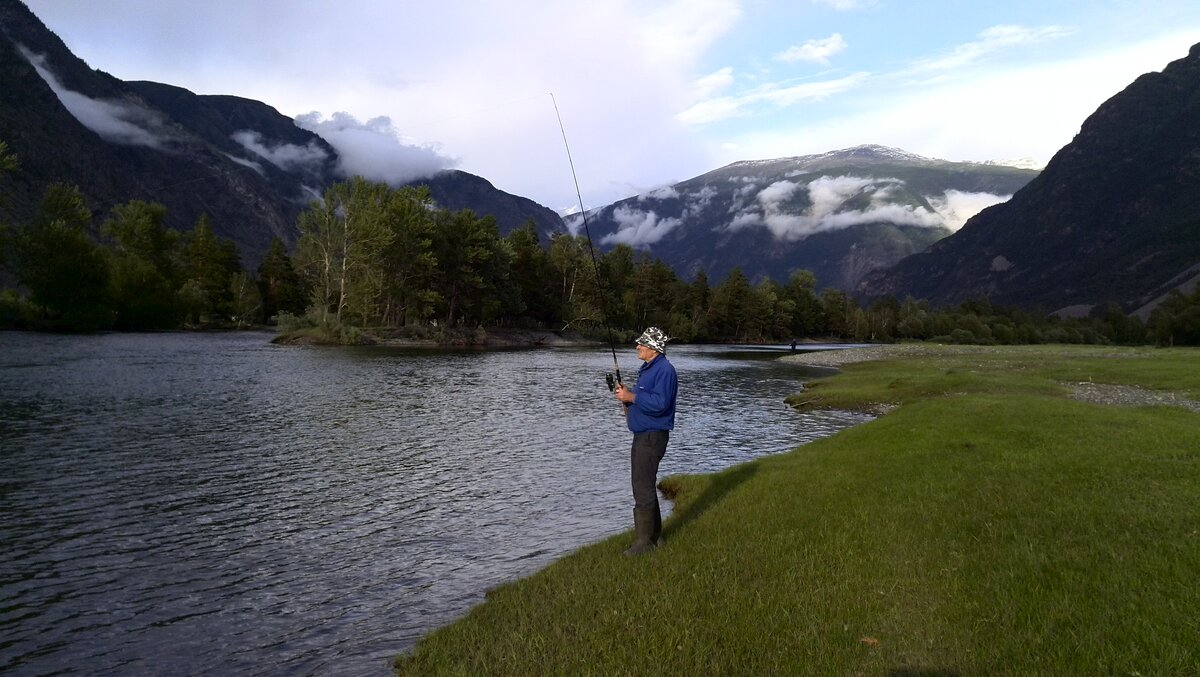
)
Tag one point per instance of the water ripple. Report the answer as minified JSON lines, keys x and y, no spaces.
{"x":192,"y":504}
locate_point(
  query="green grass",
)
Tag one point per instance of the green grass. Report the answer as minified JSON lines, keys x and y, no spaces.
{"x":988,"y":525}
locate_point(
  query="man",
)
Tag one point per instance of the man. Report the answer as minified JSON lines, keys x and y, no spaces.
{"x":650,"y":414}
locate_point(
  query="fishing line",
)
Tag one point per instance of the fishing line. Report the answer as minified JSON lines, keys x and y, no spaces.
{"x":592,"y":250}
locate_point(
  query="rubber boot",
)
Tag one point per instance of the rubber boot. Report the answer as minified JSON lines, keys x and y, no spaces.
{"x":656,"y":536}
{"x":643,"y":527}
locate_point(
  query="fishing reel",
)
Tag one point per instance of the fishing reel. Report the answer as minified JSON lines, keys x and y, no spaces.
{"x":612,"y":382}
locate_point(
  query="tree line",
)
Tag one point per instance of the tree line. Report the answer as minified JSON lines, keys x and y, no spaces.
{"x":374,"y":258}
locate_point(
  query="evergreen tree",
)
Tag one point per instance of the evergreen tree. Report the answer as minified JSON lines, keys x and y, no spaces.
{"x":836,"y":310}
{"x":8,"y":163}
{"x":144,"y":266}
{"x":618,"y":285}
{"x":409,"y":262}
{"x":279,"y":285}
{"x":807,"y":316}
{"x":210,"y":263}
{"x":63,"y":268}
{"x":533,"y":275}
{"x":466,"y":247}
{"x":730,"y":307}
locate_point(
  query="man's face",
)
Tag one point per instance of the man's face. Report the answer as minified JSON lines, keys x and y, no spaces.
{"x":644,"y":353}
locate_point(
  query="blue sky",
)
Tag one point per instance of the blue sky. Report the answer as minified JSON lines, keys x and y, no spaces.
{"x":651,"y":93}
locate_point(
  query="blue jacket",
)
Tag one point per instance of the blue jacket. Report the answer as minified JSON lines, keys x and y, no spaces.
{"x":654,"y":406}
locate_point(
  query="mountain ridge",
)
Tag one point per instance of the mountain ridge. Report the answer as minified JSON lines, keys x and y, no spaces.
{"x":1115,"y":215}
{"x":838,"y":214}
{"x":239,"y":161}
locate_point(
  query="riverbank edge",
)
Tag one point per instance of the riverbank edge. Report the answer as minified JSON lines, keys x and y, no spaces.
{"x":479,"y":337}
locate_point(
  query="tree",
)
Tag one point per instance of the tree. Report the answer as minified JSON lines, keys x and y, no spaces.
{"x":836,"y":310}
{"x":466,"y":247}
{"x":8,"y":163}
{"x":210,"y":263}
{"x":144,"y":267}
{"x":575,"y":277}
{"x":279,"y":285}
{"x":409,"y":263}
{"x":342,"y":241}
{"x":730,"y":308}
{"x":63,"y":268}
{"x":533,"y":275}
{"x":245,"y":306}
{"x":807,"y":316}
{"x":617,"y":283}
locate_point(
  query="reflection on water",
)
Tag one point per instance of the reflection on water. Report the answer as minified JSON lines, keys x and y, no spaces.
{"x":191,"y":503}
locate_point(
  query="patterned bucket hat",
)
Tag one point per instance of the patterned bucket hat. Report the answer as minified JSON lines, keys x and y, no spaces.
{"x":654,"y":339}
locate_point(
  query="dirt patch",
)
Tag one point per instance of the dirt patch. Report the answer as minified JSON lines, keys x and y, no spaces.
{"x":1129,"y":396}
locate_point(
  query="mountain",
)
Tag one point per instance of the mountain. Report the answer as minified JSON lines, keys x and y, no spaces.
{"x":839,"y":214}
{"x":251,"y":169}
{"x":455,"y":190}
{"x":1115,"y":215}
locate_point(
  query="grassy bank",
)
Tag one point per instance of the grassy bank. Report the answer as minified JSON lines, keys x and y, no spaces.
{"x":988,"y":524}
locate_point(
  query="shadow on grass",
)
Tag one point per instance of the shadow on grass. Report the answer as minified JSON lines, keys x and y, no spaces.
{"x":923,"y":672}
{"x":719,"y":485}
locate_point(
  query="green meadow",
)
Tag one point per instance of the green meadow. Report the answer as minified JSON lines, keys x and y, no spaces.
{"x":988,"y":524}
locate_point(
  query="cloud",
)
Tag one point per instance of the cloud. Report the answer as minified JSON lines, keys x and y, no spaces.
{"x":844,"y":5}
{"x":115,"y":121}
{"x":815,"y":51}
{"x":374,"y":150}
{"x":710,"y":84}
{"x":286,"y":156}
{"x":246,"y":163}
{"x":697,"y":202}
{"x":991,"y":40}
{"x":721,"y":108}
{"x":638,"y":228}
{"x":827,"y":199}
{"x":663,"y":193}
{"x":956,"y":207}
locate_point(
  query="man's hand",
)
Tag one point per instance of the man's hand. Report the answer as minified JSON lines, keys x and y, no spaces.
{"x":624,"y":394}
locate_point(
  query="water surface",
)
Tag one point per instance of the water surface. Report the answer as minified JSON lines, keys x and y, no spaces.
{"x":211,"y":503}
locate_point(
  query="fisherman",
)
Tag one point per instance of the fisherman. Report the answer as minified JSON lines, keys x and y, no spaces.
{"x":650,"y":408}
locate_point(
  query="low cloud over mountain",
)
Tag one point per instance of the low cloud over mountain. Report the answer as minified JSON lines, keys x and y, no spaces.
{"x":115,"y":121}
{"x":839,"y":214}
{"x":374,"y":149}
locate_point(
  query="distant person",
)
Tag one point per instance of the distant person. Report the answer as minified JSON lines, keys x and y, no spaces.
{"x":793,"y":345}
{"x":650,"y":414}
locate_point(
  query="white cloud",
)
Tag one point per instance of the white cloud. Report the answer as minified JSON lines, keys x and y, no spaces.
{"x":1031,"y":110}
{"x":956,"y":207}
{"x":827,"y":197}
{"x":815,"y":51}
{"x":844,"y":5}
{"x":697,"y":202}
{"x":721,"y":108}
{"x":286,"y":156}
{"x":246,"y":163}
{"x":710,"y":84}
{"x":638,"y":228}
{"x":115,"y":121}
{"x":991,"y":41}
{"x":374,"y":149}
{"x":662,"y":193}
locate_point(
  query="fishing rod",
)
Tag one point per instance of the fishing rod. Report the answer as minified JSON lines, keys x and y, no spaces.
{"x":612,"y":382}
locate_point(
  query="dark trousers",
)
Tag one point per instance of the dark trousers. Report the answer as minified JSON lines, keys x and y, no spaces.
{"x":647,"y":450}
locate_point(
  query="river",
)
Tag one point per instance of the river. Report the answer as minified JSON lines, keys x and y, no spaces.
{"x":187,"y":503}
